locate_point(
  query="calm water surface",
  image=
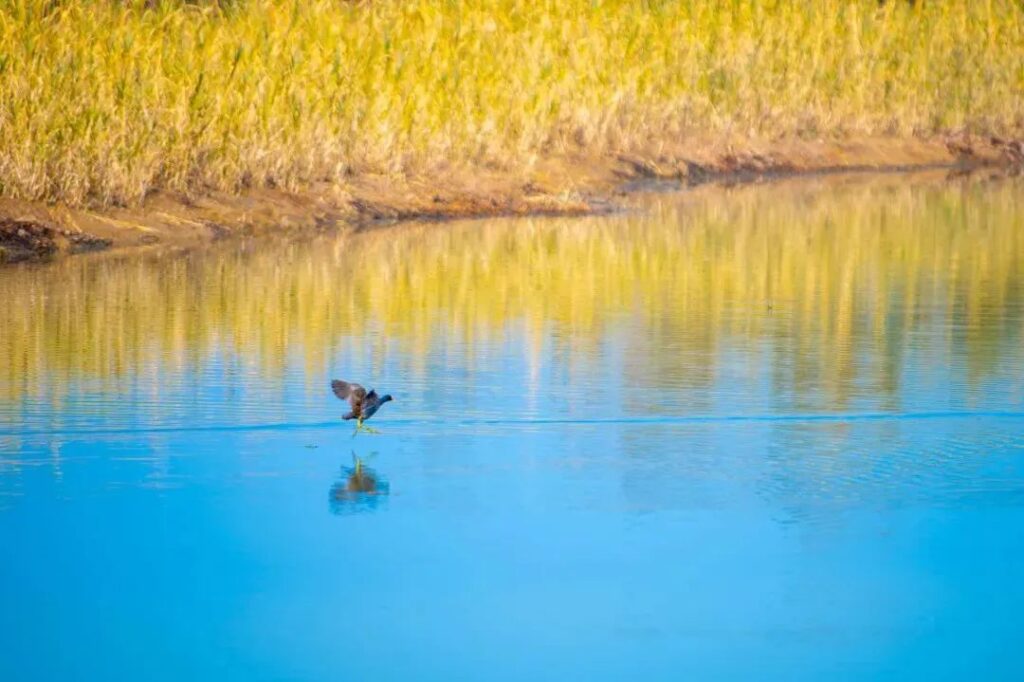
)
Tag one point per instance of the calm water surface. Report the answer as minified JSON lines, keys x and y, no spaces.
{"x":767,"y":433}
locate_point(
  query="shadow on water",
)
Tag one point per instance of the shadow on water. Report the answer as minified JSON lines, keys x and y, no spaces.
{"x":359,"y":489}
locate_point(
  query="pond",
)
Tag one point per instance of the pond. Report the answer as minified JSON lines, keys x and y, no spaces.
{"x":762,"y":432}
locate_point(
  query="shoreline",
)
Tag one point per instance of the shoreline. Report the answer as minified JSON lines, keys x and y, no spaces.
{"x":565,"y":184}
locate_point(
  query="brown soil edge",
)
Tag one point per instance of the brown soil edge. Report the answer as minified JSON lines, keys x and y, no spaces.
{"x":570,"y":183}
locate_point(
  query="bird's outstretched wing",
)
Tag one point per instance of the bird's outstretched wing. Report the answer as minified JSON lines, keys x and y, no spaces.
{"x":347,"y":391}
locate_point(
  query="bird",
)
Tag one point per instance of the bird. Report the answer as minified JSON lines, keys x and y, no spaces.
{"x":364,"y":405}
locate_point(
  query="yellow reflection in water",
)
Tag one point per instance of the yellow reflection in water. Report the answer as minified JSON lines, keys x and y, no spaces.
{"x":826,"y":269}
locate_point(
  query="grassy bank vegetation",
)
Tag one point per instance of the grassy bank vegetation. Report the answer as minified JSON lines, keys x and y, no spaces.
{"x":103,"y":101}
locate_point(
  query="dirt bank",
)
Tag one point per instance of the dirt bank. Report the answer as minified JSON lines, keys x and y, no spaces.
{"x":566,"y":183}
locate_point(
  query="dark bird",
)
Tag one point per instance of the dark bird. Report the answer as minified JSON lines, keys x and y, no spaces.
{"x":364,"y":405}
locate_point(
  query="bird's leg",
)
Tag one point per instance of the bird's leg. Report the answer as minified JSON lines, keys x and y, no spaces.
{"x":360,"y":427}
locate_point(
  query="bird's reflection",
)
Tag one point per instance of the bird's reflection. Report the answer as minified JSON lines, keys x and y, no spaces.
{"x":359,"y":489}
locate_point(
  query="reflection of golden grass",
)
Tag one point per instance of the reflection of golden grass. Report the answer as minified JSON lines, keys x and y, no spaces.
{"x":107,"y":100}
{"x":854,"y":268}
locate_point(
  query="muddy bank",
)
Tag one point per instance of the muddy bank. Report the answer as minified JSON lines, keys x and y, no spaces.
{"x":568,"y":183}
{"x":22,"y":240}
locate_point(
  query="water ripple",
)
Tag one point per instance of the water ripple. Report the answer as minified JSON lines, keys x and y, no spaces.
{"x":695,"y":419}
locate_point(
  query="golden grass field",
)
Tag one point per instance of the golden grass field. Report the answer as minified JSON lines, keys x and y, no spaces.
{"x":102,"y":102}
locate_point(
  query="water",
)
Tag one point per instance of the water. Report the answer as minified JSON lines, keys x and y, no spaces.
{"x":763,"y":433}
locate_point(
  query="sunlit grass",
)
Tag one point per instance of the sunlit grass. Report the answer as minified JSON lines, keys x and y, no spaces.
{"x":103,"y":101}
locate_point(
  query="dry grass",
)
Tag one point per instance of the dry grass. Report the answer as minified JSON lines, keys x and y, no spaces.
{"x":102,"y":102}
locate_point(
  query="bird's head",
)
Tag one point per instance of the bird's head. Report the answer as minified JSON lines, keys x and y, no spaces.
{"x":386,"y":398}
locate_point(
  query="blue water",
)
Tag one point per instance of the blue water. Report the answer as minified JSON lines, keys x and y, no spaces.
{"x":663,"y":445}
